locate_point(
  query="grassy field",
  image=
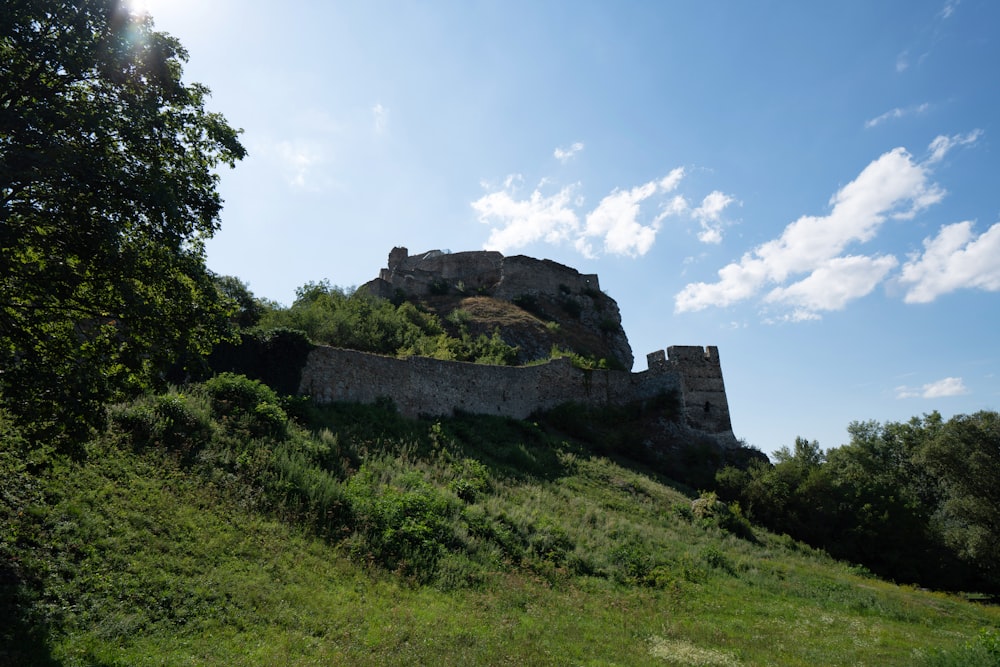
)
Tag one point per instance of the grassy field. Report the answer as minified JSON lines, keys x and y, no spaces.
{"x":365,"y":539}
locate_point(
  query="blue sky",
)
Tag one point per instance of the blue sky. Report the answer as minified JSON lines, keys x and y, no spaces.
{"x":813,"y":187}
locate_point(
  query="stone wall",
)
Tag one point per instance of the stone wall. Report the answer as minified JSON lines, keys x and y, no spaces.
{"x":422,"y":386}
{"x":503,"y":277}
{"x":702,"y":388}
{"x":516,"y":280}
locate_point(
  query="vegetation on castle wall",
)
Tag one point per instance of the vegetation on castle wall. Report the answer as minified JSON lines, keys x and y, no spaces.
{"x":331,"y":315}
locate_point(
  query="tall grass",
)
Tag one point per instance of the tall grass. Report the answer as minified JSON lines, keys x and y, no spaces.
{"x":204,"y":530}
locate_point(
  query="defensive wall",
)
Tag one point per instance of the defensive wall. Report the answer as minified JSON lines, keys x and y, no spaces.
{"x":423,"y":386}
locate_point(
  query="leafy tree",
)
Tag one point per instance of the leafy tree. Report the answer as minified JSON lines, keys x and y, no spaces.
{"x":248,"y":308}
{"x":107,"y":193}
{"x":964,"y":456}
{"x":882,"y":500}
{"x":913,"y":502}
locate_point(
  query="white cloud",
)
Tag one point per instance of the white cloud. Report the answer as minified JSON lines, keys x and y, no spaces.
{"x":297,"y":160}
{"x":380,"y":117}
{"x":677,"y":205}
{"x":891,"y":186}
{"x":945,"y":387}
{"x":614,"y":226}
{"x":565,"y":154}
{"x":898,"y":112}
{"x":954,"y":259}
{"x":833,"y":285}
{"x":709,"y":216}
{"x":942,"y":144}
{"x":950,"y":386}
{"x":616,"y":221}
{"x":670,"y":182}
{"x":949,"y":8}
{"x":903,"y":61}
{"x":525,"y":221}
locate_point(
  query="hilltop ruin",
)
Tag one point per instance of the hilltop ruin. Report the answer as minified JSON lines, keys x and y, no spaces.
{"x":423,"y":386}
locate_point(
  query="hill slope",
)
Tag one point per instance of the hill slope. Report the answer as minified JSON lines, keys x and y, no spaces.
{"x":205,"y":529}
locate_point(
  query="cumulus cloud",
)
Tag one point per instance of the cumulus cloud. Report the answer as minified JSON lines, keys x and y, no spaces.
{"x":524,"y":221}
{"x":620,"y":224}
{"x":952,"y":260}
{"x":709,"y":216}
{"x":616,"y":221}
{"x":891,"y":186}
{"x":832,"y":285}
{"x":896,"y":113}
{"x":894,"y":186}
{"x":950,"y":386}
{"x":565,"y":154}
{"x":671,"y":181}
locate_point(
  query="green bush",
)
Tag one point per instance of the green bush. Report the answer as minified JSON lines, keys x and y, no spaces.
{"x":247,"y":407}
{"x":175,"y":421}
{"x":708,"y":511}
{"x":405,"y":523}
{"x":984,"y":652}
{"x":632,"y":562}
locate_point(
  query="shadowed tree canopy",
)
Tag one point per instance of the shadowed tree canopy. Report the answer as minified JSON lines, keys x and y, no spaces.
{"x":107,"y":192}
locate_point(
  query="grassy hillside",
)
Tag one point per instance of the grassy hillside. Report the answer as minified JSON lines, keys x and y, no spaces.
{"x":206,"y":528}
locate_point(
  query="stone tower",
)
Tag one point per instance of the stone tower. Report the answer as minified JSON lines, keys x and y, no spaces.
{"x":703,"y":393}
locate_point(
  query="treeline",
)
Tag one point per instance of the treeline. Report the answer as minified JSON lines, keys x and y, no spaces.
{"x":915,"y":502}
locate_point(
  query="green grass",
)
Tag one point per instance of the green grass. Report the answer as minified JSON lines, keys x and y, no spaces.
{"x":366,"y":539}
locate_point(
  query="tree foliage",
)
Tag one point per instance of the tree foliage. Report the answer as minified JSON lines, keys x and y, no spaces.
{"x":107,"y":193}
{"x":915,"y":502}
{"x":357,"y":320}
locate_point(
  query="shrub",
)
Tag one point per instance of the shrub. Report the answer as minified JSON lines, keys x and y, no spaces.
{"x":709,"y":511}
{"x":472,"y":479}
{"x":529,"y":302}
{"x":406,"y":524}
{"x":178,"y":422}
{"x":181,"y":425}
{"x":632,"y":562}
{"x":246,"y":405}
{"x":608,"y":325}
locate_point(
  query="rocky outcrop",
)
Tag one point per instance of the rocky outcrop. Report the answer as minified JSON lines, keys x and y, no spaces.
{"x":562,"y":306}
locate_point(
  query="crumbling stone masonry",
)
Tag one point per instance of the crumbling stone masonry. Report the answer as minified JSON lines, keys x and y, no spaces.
{"x":423,"y":386}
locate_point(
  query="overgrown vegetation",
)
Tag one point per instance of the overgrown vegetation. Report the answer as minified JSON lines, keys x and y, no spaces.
{"x":206,"y":516}
{"x":107,"y":194}
{"x":356,"y":320}
{"x":915,"y":502}
{"x":223,"y":521}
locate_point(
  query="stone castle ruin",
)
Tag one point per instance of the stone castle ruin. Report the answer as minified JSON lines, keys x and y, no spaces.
{"x":424,"y":386}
